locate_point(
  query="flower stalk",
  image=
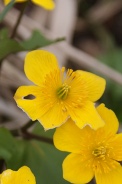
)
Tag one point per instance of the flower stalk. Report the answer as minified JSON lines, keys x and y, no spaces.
{"x":25,"y":4}
{"x":24,"y":133}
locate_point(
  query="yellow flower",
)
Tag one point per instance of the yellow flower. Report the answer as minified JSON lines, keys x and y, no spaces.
{"x":47,"y":4}
{"x":22,"y":176}
{"x":58,"y":95}
{"x":93,"y":153}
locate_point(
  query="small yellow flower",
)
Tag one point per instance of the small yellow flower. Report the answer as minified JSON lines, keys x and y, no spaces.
{"x":58,"y":95}
{"x":22,"y":176}
{"x":93,"y":153}
{"x":47,"y":4}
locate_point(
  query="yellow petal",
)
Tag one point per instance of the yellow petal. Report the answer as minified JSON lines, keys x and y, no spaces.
{"x":86,"y":115}
{"x":112,"y":177}
{"x":25,"y":176}
{"x":22,"y":176}
{"x":18,"y":1}
{"x":47,"y":4}
{"x":55,"y":117}
{"x":75,"y":170}
{"x":115,"y":145}
{"x":69,"y":137}
{"x":7,"y":177}
{"x":38,"y":64}
{"x":110,"y":119}
{"x":33,"y":107}
{"x":95,"y":85}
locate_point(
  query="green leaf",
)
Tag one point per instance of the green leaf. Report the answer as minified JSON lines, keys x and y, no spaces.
{"x":7,"y":144}
{"x":8,"y":46}
{"x":39,"y":130}
{"x":44,"y":160}
{"x":3,"y":34}
{"x":37,"y":40}
{"x":6,"y":9}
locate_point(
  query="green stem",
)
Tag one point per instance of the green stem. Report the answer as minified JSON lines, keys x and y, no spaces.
{"x":28,"y":125}
{"x":23,"y":132}
{"x":19,"y":18}
{"x":18,"y":131}
{"x":28,"y":135}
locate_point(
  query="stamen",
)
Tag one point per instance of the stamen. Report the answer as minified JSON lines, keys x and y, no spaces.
{"x":70,"y":75}
{"x":99,"y":152}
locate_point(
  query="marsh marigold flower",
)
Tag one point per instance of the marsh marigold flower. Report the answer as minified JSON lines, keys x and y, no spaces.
{"x":22,"y":176}
{"x":58,"y":95}
{"x":47,"y":4}
{"x":93,"y":152}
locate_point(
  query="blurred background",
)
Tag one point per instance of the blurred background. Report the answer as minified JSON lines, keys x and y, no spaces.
{"x":93,"y":41}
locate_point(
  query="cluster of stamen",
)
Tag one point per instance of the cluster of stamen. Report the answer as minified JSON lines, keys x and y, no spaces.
{"x":99,"y":152}
{"x":63,"y":91}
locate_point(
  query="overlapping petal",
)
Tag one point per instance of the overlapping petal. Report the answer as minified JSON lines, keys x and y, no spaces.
{"x":22,"y":176}
{"x":116,"y":145}
{"x":75,"y":170}
{"x":110,"y":119}
{"x":38,"y":64}
{"x":95,"y":85}
{"x":53,"y":117}
{"x":33,"y":107}
{"x":92,"y":151}
{"x":68,"y":137}
{"x":112,"y":177}
{"x":86,"y":115}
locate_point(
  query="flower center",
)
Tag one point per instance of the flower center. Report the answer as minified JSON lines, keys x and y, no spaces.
{"x":99,"y":152}
{"x":62,"y":92}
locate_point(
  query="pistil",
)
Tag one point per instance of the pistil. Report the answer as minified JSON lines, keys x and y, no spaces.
{"x":99,"y":152}
{"x":62,"y":92}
